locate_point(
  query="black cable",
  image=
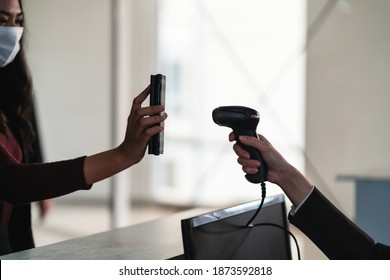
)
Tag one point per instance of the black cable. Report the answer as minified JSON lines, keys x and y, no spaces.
{"x":263,"y":194}
{"x":250,"y":225}
{"x":284,"y":229}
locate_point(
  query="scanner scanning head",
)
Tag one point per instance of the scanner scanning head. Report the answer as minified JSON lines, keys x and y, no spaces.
{"x":236,"y":117}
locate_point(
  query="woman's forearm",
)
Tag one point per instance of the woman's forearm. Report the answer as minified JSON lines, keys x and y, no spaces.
{"x":104,"y":165}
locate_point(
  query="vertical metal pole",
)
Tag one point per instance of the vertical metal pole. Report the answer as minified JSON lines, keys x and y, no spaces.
{"x":119,"y":199}
{"x":130,"y":73}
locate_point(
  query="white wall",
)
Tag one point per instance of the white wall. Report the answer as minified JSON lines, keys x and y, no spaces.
{"x":348,"y":96}
{"x":78,"y":65}
{"x":69,"y":54}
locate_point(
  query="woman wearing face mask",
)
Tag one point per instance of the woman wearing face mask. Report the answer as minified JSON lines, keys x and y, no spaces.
{"x":19,"y":222}
{"x":22,"y":183}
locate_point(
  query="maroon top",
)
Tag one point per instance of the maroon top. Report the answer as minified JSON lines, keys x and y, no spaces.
{"x":23,"y":183}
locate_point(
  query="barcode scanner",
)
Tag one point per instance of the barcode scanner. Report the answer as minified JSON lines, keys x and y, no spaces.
{"x":243,"y":121}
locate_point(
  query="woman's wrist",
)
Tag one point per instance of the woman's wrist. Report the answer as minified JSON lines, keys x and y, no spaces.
{"x":123,"y":158}
{"x":106,"y":164}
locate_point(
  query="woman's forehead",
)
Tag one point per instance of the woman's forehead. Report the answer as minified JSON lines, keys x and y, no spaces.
{"x":10,"y":6}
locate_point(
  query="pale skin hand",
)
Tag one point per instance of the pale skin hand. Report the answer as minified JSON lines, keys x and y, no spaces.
{"x":294,"y":184}
{"x":138,"y":132}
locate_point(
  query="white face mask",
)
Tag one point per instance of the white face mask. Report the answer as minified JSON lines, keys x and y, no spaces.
{"x":9,"y":43}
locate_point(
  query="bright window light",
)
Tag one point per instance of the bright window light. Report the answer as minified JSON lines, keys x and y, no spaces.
{"x":217,"y":53}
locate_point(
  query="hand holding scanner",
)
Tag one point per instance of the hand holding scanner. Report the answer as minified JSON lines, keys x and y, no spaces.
{"x":243,"y":121}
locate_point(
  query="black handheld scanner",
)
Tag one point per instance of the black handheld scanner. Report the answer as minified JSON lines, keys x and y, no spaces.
{"x":243,"y":121}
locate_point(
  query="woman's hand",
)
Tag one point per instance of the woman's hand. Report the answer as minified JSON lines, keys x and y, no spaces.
{"x":131,"y":151}
{"x":140,"y":127}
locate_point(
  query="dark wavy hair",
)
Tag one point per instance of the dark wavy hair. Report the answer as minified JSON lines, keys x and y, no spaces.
{"x":16,"y":97}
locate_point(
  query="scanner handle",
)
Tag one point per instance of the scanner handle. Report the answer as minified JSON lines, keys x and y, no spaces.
{"x":261,"y":174}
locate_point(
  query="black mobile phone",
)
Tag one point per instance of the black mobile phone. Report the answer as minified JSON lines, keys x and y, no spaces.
{"x":157,"y":97}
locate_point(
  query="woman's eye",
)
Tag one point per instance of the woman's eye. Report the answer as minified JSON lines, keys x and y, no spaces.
{"x":19,"y":20}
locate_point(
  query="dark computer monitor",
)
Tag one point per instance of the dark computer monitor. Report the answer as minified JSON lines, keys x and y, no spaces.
{"x":224,"y":234}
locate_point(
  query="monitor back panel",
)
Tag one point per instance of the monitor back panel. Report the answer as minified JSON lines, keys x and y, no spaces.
{"x":223,"y":234}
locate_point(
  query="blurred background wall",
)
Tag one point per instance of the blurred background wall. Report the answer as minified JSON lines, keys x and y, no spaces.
{"x":323,"y":101}
{"x":69,"y":51}
{"x":348,"y":97}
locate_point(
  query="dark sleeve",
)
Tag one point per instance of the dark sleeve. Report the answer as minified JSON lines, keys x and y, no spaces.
{"x":19,"y":228}
{"x":381,"y":252}
{"x":22,"y":183}
{"x":333,"y":233}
